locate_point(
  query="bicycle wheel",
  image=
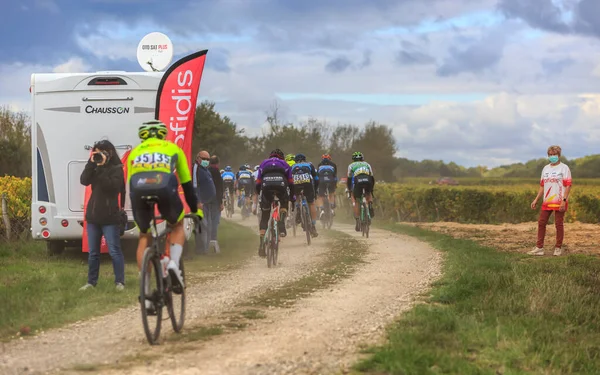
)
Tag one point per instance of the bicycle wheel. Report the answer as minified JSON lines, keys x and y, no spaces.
{"x":306,"y":221}
{"x":293,"y":220}
{"x":267,"y":243}
{"x":274,"y":244}
{"x":153,"y":284}
{"x":176,"y":303}
{"x":365,"y":223}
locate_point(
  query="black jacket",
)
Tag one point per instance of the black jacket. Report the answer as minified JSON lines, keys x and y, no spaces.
{"x":218,"y":180}
{"x":107,"y":182}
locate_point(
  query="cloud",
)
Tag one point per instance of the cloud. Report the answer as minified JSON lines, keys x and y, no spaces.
{"x":73,"y":65}
{"x":338,"y":64}
{"x":482,"y":54}
{"x":556,"y":66}
{"x":543,"y":14}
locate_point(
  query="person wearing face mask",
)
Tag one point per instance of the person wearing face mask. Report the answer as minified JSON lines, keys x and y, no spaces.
{"x":104,"y":172}
{"x":206,"y":193}
{"x":555,"y":187}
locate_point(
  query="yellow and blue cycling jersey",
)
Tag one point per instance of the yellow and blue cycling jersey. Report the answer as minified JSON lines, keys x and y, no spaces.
{"x":157,"y":155}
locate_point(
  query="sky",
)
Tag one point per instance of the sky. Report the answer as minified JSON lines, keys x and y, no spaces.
{"x":477,"y":82}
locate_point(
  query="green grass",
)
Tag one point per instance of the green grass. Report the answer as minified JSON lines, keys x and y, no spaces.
{"x":497,"y":313}
{"x":41,"y":292}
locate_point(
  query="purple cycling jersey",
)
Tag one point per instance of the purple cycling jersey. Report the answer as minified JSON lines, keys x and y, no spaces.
{"x":274,"y":165}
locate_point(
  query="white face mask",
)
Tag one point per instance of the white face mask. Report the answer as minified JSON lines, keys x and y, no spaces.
{"x":204,"y":163}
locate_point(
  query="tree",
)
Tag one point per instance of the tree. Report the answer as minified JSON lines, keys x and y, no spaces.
{"x":15,"y":143}
{"x":379,"y":146}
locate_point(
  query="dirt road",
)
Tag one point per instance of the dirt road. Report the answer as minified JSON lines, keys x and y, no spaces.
{"x":321,"y":333}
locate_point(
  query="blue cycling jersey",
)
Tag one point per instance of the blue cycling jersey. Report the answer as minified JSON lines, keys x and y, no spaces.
{"x":228,"y":177}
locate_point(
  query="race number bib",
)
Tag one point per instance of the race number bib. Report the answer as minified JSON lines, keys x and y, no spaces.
{"x":303,"y":178}
{"x":151,"y":161}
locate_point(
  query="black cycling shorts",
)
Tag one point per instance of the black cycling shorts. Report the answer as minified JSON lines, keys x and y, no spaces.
{"x":247,"y":185}
{"x":326,"y":185}
{"x":228,"y":185}
{"x":362,"y":181}
{"x":164,"y":188}
{"x":307,"y":189}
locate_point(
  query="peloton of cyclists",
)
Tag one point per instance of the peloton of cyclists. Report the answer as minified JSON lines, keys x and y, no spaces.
{"x":244,"y":181}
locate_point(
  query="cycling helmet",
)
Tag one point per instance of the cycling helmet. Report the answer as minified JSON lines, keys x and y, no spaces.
{"x":247,"y":166}
{"x":326,"y":156}
{"x":277,"y":153}
{"x":256,"y":167}
{"x":299,"y":158}
{"x":358,"y":156}
{"x":290,"y":157}
{"x":152,"y":129}
{"x":242,"y":167}
{"x":221,"y":171}
{"x":228,"y":168}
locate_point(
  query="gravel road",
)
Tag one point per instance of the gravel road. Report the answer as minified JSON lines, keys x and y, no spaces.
{"x":320,"y":334}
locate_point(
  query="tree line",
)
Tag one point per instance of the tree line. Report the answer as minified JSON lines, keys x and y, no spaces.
{"x":220,"y":135}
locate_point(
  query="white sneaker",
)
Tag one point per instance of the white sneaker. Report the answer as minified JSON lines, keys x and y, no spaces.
{"x":175,"y":273}
{"x":536,"y":251}
{"x":558,"y":251}
{"x":86,"y":286}
{"x":215,"y":244}
{"x":120,"y":287}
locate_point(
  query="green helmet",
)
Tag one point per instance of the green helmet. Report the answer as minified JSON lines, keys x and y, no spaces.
{"x":358,"y":156}
{"x":290,"y":157}
{"x":153,"y":129}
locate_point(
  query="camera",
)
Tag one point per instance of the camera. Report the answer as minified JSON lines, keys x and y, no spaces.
{"x":97,"y":158}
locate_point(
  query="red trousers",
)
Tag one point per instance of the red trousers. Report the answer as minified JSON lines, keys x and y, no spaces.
{"x":559,"y":219}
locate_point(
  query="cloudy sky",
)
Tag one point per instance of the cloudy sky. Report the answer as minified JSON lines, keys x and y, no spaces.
{"x":472,"y":81}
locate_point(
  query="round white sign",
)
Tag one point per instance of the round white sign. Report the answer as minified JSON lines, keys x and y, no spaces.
{"x":155,"y":52}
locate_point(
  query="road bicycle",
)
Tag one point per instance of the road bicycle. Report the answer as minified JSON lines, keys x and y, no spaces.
{"x":327,"y":214}
{"x":163,"y":292}
{"x":302,"y":209}
{"x":228,"y":204}
{"x":365,"y":215}
{"x":246,"y":209}
{"x":271,"y":238}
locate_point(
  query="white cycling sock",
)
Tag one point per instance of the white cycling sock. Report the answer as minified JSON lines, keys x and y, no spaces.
{"x":176,"y":251}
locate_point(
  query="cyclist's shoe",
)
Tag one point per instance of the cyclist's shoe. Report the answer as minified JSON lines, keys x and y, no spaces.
{"x":357,"y":226}
{"x":261,"y":248}
{"x":371,"y":210}
{"x":313,"y":231}
{"x":176,"y":277}
{"x":282,"y":230}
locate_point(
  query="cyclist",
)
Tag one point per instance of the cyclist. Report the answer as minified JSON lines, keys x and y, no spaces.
{"x":327,"y":171}
{"x":306,"y":179}
{"x":151,"y":172}
{"x":245,"y":181}
{"x":274,"y":177}
{"x":228,"y":181}
{"x":360,"y":175}
{"x":289,"y":158}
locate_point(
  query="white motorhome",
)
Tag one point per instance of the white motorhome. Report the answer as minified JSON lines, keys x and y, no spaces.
{"x":70,"y":113}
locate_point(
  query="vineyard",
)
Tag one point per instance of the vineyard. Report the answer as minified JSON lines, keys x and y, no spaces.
{"x":478,"y":201}
{"x":474,"y":201}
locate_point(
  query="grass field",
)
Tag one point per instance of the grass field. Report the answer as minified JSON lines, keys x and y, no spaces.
{"x":497,"y":312}
{"x":40,"y":292}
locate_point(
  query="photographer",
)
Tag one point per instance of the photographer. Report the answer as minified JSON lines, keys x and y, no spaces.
{"x":104,"y":171}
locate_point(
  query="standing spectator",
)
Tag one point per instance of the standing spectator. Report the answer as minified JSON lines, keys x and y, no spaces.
{"x":104,"y":171}
{"x":555,"y":185}
{"x":206,"y":193}
{"x":216,"y":206}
